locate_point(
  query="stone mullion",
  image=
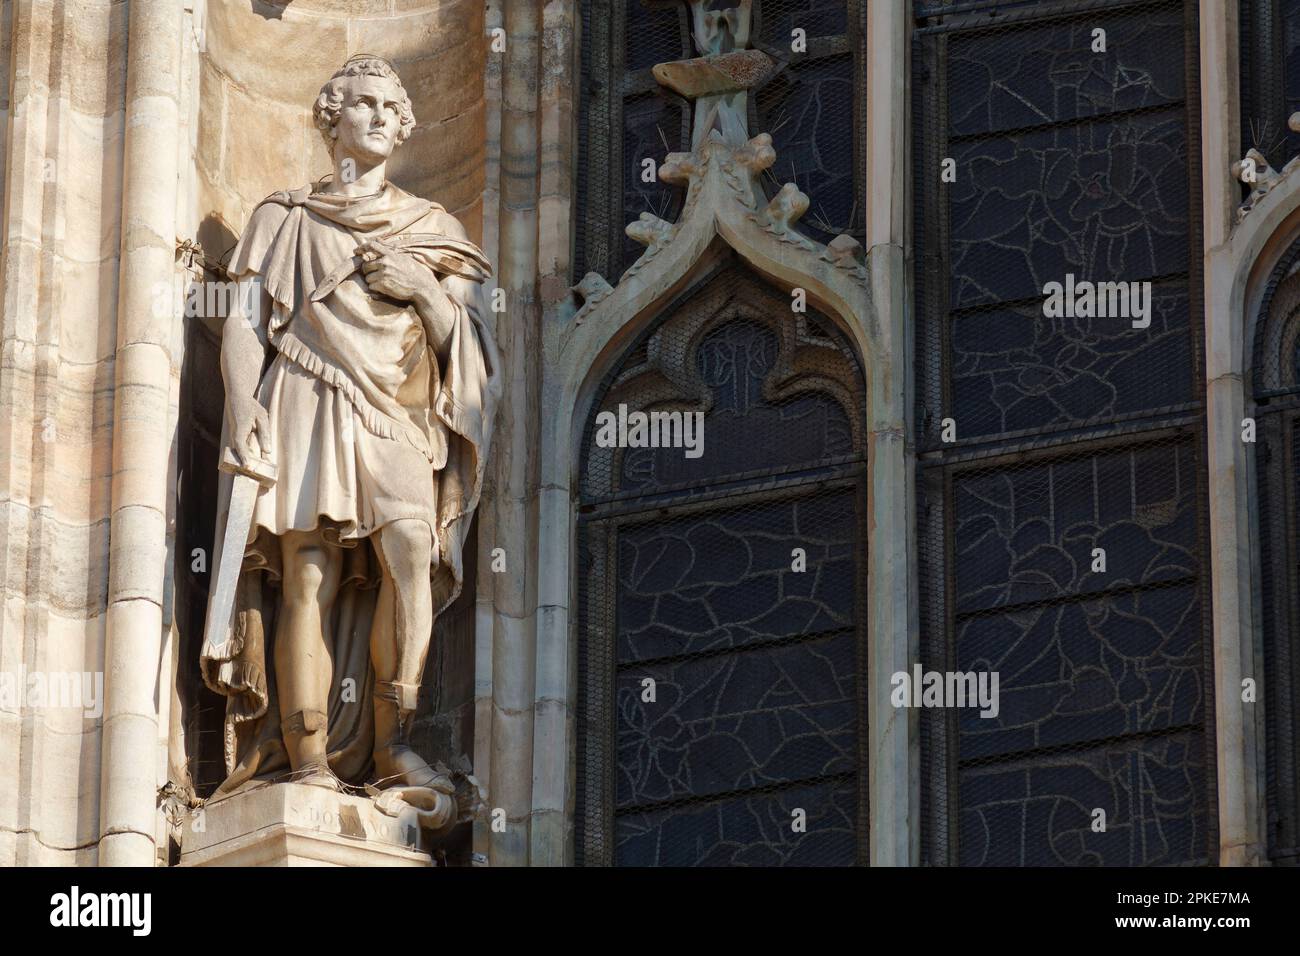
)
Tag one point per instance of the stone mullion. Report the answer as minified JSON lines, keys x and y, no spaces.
{"x":1229,"y":465}
{"x":515,"y":466}
{"x":552,"y":798}
{"x":893,"y":614}
{"x":485,"y":587}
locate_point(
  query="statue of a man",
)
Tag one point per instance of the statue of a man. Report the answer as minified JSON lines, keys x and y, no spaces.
{"x":361,"y":364}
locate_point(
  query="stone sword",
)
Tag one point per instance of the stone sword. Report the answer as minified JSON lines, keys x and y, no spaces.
{"x":250,"y":477}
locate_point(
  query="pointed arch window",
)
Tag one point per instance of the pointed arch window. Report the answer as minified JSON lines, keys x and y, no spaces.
{"x":1275,"y":387}
{"x":1062,"y":526}
{"x":721,"y":634}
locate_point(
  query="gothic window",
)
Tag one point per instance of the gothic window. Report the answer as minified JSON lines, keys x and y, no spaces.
{"x":1275,"y":386}
{"x":1270,"y":77}
{"x":813,"y":107}
{"x":721,"y":639}
{"x":1061,"y":452}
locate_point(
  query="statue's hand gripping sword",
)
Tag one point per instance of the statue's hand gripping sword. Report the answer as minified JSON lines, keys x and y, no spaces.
{"x":250,"y":476}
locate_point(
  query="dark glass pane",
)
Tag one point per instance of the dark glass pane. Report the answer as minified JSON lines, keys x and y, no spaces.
{"x":774,"y":390}
{"x":1048,"y":73}
{"x":734,"y":362}
{"x":652,"y":128}
{"x":1028,"y":534}
{"x":1270,"y":77}
{"x":740,"y":601}
{"x":1013,"y":369}
{"x":654,"y":35}
{"x":1039,"y":811}
{"x":739,"y":721}
{"x":1277,"y":127}
{"x":1084,"y":671}
{"x":1103,"y":200}
{"x":725,"y":579}
{"x":809,"y":110}
{"x":749,"y":830}
{"x":817,"y":18}
{"x":1068,"y":163}
{"x":996,"y":7}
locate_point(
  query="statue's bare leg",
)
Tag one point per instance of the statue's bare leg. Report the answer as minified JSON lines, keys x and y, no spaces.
{"x":303,"y":667}
{"x":399,"y":644}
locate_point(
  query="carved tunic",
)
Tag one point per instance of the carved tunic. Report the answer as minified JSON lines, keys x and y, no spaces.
{"x":366,"y":427}
{"x":351,"y":393}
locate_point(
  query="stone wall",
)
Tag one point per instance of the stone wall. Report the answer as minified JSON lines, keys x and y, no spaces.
{"x":62,"y":161}
{"x":217,"y":100}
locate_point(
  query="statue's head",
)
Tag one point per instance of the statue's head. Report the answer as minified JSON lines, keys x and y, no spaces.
{"x":363,"y":110}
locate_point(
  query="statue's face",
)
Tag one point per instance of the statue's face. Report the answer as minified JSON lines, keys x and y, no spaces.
{"x":368,"y":124}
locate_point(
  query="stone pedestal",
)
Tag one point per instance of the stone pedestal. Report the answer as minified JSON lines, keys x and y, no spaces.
{"x":291,"y":824}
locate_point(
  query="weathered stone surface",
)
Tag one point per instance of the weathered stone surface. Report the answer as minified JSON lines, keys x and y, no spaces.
{"x":720,"y":73}
{"x":291,"y":824}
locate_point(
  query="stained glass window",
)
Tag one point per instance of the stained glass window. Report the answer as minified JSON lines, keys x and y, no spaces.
{"x":1270,"y":77}
{"x":813,"y":107}
{"x":722,"y":638}
{"x":1061,"y":491}
{"x":1275,"y":387}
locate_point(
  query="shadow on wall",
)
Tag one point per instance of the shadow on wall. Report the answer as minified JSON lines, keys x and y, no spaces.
{"x":270,"y":11}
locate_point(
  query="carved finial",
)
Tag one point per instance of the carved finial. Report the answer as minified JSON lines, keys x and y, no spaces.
{"x":843,"y":251}
{"x":678,"y":168}
{"x":785,"y":209}
{"x":1255,"y":171}
{"x":758,"y":154}
{"x":590,"y":290}
{"x":650,"y":231}
{"x":719,"y":80}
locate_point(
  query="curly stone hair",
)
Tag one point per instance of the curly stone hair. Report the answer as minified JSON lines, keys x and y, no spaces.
{"x":329,"y":103}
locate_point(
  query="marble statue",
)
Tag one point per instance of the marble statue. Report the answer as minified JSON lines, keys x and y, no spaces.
{"x":361,"y":382}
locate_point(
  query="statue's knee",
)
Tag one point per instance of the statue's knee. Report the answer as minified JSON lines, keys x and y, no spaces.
{"x":308,"y":576}
{"x":408,"y":547}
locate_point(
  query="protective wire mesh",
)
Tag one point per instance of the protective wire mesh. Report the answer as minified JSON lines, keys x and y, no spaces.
{"x":1276,"y":389}
{"x":814,"y":108}
{"x":721,"y":660}
{"x":1270,"y":77}
{"x":1270,"y":93}
{"x":1061,"y":499}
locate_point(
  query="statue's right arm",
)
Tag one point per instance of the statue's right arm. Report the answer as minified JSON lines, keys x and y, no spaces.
{"x":243,"y":347}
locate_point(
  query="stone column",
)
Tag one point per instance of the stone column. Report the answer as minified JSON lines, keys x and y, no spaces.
{"x":485,"y":590}
{"x":141,"y":440}
{"x":894,"y":625}
{"x":1237,"y":724}
{"x":64,"y":70}
{"x":515,"y":468}
{"x":552,"y":800}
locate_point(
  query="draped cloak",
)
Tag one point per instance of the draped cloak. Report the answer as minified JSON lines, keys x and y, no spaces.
{"x":368,"y":427}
